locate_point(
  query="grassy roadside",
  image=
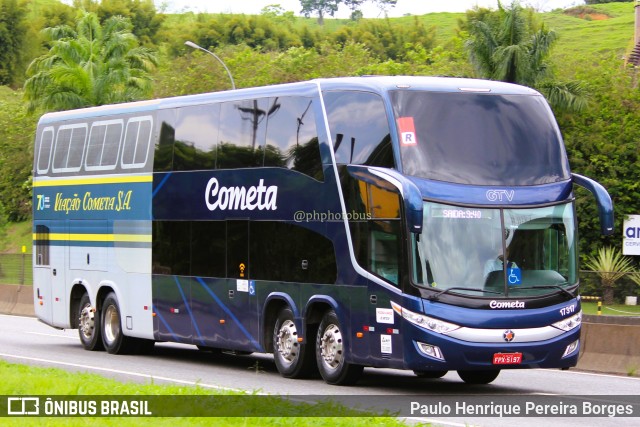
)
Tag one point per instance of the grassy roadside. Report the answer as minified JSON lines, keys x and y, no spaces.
{"x":611,"y":310}
{"x":22,"y":380}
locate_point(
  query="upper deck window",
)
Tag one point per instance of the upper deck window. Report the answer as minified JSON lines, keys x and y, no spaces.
{"x":104,"y":145}
{"x":292,"y":137}
{"x":242,"y":133}
{"x":69,"y":150}
{"x":196,"y":132}
{"x":44,"y":154}
{"x":137,"y":139}
{"x":481,"y":139}
{"x":359,"y":128}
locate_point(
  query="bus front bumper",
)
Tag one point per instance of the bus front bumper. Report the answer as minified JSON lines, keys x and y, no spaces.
{"x":432,"y":351}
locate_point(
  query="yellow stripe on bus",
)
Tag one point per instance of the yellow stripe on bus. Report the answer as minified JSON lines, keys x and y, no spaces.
{"x":93,"y":180}
{"x":138,"y":238}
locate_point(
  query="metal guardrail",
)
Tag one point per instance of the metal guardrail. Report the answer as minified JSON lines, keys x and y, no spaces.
{"x":16,"y":269}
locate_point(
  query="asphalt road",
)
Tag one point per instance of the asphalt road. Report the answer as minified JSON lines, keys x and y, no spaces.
{"x":25,"y":340}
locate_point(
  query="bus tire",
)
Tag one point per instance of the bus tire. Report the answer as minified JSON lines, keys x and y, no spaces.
{"x":293,"y":358}
{"x":115,"y":342}
{"x":430,"y":374}
{"x":89,"y":325}
{"x":330,"y":356}
{"x":478,"y":377}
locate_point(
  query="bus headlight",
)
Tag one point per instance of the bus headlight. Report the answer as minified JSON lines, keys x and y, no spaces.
{"x":570,"y":322}
{"x":426,"y":322}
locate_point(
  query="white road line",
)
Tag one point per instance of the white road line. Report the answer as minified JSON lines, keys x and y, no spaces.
{"x":117,"y":371}
{"x":52,"y":335}
{"x":594,"y":374}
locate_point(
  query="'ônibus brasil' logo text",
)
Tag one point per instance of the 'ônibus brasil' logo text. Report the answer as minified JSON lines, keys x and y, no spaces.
{"x":240,"y":198}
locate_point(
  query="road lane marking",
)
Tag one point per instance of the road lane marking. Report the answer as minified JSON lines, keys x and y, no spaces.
{"x":75,"y":337}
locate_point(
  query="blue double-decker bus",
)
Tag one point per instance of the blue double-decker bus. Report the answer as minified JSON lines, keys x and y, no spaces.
{"x":401,"y":222}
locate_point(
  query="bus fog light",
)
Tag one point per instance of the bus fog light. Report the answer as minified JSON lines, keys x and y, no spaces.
{"x":571,"y":348}
{"x":431,"y":350}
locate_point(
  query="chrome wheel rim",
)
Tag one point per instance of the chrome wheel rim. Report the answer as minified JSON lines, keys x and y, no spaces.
{"x":111,"y":324}
{"x":331,"y":347}
{"x":86,"y":322}
{"x":287,"y":341}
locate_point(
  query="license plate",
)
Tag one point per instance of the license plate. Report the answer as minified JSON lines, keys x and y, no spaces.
{"x":507,"y":358}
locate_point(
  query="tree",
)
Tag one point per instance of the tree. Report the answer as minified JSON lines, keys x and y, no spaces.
{"x":610,"y":265}
{"x":321,"y":7}
{"x":509,"y":46}
{"x":89,"y":65}
{"x":142,"y":13}
{"x":384,"y":5}
{"x":13,"y":30}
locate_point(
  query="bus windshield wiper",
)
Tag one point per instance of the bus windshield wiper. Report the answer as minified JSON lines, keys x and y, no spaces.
{"x":436,"y":296}
{"x":550,"y":287}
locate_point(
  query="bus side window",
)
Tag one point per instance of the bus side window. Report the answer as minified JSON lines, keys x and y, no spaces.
{"x":171,"y":248}
{"x":104,"y":145}
{"x":69,"y":148}
{"x":359,"y":129}
{"x":285,"y":252}
{"x":137,"y":138}
{"x":163,"y":156}
{"x":196,"y":134}
{"x":242,"y":132}
{"x":44,"y":150}
{"x":375,"y":226}
{"x":42,"y":245}
{"x":292,"y":137}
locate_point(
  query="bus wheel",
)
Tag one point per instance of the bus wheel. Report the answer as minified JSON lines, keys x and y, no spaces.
{"x":115,"y":342}
{"x":478,"y":377}
{"x":430,"y":374}
{"x":330,"y":345}
{"x":89,"y":325}
{"x":290,"y":355}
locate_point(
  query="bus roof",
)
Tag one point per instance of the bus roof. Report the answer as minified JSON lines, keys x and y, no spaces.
{"x":379,"y":84}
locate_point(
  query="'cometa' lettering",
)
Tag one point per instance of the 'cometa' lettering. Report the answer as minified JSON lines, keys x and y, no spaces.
{"x":240,"y":198}
{"x":506,"y":304}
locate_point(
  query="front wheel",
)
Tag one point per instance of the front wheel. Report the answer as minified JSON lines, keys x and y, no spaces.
{"x":292,"y":357}
{"x":89,"y":325}
{"x":330,"y":353}
{"x":478,"y":377}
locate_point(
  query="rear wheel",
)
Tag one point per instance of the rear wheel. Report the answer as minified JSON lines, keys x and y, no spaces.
{"x":89,"y":325}
{"x":115,"y":342}
{"x":478,"y":377}
{"x":292,"y":357}
{"x":330,"y":353}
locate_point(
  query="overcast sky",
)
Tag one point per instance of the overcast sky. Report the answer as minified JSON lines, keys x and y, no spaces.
{"x":403,"y":7}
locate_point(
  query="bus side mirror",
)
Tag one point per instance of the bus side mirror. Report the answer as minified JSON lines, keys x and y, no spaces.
{"x":605,"y":205}
{"x":409,"y":192}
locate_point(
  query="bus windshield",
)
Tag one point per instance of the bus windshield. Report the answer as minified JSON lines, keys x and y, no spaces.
{"x":491,"y":252}
{"x":479,"y":138}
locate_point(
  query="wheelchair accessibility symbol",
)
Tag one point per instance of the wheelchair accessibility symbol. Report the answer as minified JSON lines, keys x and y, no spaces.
{"x":514,"y":276}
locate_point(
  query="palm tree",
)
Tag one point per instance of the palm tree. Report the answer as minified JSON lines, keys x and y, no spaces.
{"x":507,"y":45}
{"x":610,"y":265}
{"x":90,"y":65}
